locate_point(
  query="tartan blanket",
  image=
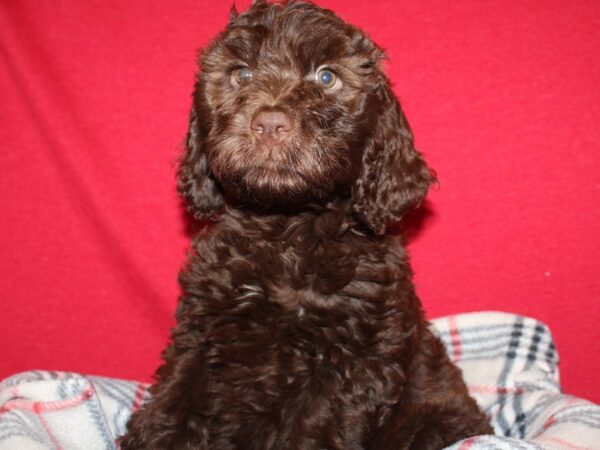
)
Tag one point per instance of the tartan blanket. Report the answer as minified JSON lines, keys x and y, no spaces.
{"x":509,"y":363}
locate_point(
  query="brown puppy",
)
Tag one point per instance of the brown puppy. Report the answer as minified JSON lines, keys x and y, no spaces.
{"x":299,"y":327}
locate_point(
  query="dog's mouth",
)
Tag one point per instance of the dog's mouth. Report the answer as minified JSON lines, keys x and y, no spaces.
{"x":269,"y":182}
{"x":296,"y":170}
{"x":269,"y":186}
{"x":273,"y":156}
{"x":275,"y":174}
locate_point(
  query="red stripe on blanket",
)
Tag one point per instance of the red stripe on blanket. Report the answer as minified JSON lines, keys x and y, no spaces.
{"x":455,"y":339}
{"x":46,"y":426}
{"x":138,"y":397}
{"x":468,"y":443}
{"x":567,"y":405}
{"x":548,"y":423}
{"x":561,"y":442}
{"x":40,"y":407}
{"x":488,"y":389}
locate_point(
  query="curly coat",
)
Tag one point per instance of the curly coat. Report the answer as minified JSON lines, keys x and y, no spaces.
{"x":299,"y":327}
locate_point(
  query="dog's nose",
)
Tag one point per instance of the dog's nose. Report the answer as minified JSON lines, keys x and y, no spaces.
{"x":271,"y":127}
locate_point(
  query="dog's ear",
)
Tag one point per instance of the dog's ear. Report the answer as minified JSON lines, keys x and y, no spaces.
{"x":394,"y":177}
{"x":233,"y":13}
{"x":195,"y":182}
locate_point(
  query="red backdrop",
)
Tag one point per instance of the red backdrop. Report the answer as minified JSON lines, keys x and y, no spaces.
{"x":503,"y":97}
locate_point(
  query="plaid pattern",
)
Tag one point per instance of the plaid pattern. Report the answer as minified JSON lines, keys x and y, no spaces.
{"x":509,"y":363}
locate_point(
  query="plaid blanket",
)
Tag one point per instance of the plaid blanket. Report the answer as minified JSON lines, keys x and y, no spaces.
{"x":509,"y":363}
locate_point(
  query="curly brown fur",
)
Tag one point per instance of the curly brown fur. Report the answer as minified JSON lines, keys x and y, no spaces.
{"x":299,"y":327}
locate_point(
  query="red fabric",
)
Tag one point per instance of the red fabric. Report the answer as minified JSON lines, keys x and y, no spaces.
{"x":503,"y":97}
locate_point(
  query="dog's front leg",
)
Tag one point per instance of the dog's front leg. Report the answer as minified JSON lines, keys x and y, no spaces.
{"x":172,"y":418}
{"x":435,"y":410}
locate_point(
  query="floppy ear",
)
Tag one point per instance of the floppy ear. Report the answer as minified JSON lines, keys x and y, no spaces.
{"x":195,"y":183}
{"x":394,"y":177}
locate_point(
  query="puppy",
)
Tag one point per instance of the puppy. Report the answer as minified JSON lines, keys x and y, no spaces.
{"x":299,"y":327}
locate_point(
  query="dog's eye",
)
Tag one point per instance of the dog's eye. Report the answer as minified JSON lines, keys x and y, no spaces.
{"x":327,"y":78}
{"x":241,"y":76}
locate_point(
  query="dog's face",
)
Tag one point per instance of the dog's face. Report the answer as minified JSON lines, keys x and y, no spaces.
{"x":288,"y":92}
{"x":291,"y":106}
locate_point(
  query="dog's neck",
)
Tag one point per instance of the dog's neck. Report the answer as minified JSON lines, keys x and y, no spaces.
{"x":320,"y":249}
{"x":329,"y":220}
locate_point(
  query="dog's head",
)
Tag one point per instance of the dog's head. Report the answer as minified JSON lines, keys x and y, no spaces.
{"x":291,"y":106}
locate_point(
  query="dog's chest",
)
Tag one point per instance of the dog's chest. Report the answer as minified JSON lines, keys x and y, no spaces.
{"x":278,"y":329}
{"x":294,"y":326}
{"x":306,"y":328}
{"x":302,"y":300}
{"x":276,"y":369}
